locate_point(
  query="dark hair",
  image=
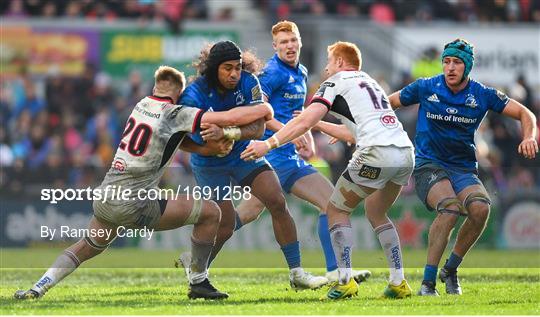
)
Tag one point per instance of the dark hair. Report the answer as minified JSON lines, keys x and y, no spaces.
{"x":250,"y":63}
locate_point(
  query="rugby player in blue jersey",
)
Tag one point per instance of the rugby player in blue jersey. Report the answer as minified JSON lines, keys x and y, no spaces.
{"x":452,"y":106}
{"x":284,"y":86}
{"x":226,"y":83}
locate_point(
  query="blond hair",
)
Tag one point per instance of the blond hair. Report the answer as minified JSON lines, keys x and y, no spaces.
{"x":349,"y":52}
{"x":169,"y":80}
{"x":285,"y":26}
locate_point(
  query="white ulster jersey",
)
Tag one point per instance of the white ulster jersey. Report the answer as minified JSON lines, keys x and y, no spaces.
{"x":153,"y":132}
{"x":362,"y":105}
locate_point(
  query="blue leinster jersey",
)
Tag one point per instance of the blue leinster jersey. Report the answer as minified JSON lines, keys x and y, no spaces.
{"x":285,"y":86}
{"x":447,"y":121}
{"x":199,"y":95}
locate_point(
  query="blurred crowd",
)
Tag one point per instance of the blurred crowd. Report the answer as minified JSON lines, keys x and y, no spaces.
{"x":105,"y":9}
{"x":390,"y":11}
{"x":171,"y":12}
{"x":60,"y":132}
{"x":381,"y":11}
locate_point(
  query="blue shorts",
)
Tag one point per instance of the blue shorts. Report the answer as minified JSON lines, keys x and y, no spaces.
{"x":289,"y":170}
{"x":218,"y":178}
{"x":429,"y":174}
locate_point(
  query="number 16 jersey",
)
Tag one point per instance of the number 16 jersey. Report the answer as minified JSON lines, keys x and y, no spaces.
{"x":361,"y":104}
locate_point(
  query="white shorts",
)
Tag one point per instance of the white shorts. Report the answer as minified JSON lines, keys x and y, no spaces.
{"x":372,"y":167}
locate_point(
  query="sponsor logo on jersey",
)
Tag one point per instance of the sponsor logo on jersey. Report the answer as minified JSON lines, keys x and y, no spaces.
{"x":119,"y":165}
{"x":320,"y":92}
{"x":144,"y":112}
{"x":174,"y":113}
{"x":291,"y":79}
{"x":433,"y":98}
{"x":450,"y":118}
{"x":389,"y":120}
{"x":293,"y":96}
{"x":451,"y":110}
{"x":328,"y":84}
{"x":470,"y":101}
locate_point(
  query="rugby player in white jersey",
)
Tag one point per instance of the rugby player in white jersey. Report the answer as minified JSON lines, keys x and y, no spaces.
{"x":380,"y":166}
{"x":153,"y":132}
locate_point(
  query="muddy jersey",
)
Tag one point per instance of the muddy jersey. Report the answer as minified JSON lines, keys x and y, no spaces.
{"x":152,"y":134}
{"x":362,"y":105}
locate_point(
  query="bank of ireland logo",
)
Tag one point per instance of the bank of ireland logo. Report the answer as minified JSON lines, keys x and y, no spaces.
{"x":451,"y":110}
{"x":389,"y":120}
{"x":470,"y":101}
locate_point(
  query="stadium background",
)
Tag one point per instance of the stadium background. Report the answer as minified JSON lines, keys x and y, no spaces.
{"x":72,"y":70}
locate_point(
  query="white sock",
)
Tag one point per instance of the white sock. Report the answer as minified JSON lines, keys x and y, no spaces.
{"x":389,"y":239}
{"x":342,"y":243}
{"x":64,"y":265}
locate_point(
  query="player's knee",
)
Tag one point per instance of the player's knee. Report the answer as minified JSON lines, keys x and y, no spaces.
{"x":449,"y":205}
{"x":276,"y":204}
{"x":322,"y":204}
{"x":477,"y":204}
{"x":479,"y":213}
{"x":211,"y":212}
{"x":91,"y":247}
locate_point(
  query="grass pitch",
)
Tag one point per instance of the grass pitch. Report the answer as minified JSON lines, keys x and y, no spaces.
{"x":262,"y":291}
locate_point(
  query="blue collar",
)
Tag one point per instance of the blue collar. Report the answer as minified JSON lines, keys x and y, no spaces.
{"x":296,"y":68}
{"x":450,"y":90}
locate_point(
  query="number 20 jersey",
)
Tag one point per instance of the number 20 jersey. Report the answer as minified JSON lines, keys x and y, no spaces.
{"x":362,"y":105}
{"x":153,"y":132}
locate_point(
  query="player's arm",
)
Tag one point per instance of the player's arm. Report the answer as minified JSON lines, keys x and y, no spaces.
{"x":528,"y":146}
{"x":306,"y":150}
{"x":301,"y":143}
{"x":338,"y":131}
{"x":293,"y":129}
{"x":301,"y":124}
{"x":394,"y":100}
{"x":212,"y":148}
{"x":252,"y":131}
{"x":239,"y":116}
{"x":407,"y":96}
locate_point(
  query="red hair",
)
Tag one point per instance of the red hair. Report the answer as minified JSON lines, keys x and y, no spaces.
{"x":349,"y":52}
